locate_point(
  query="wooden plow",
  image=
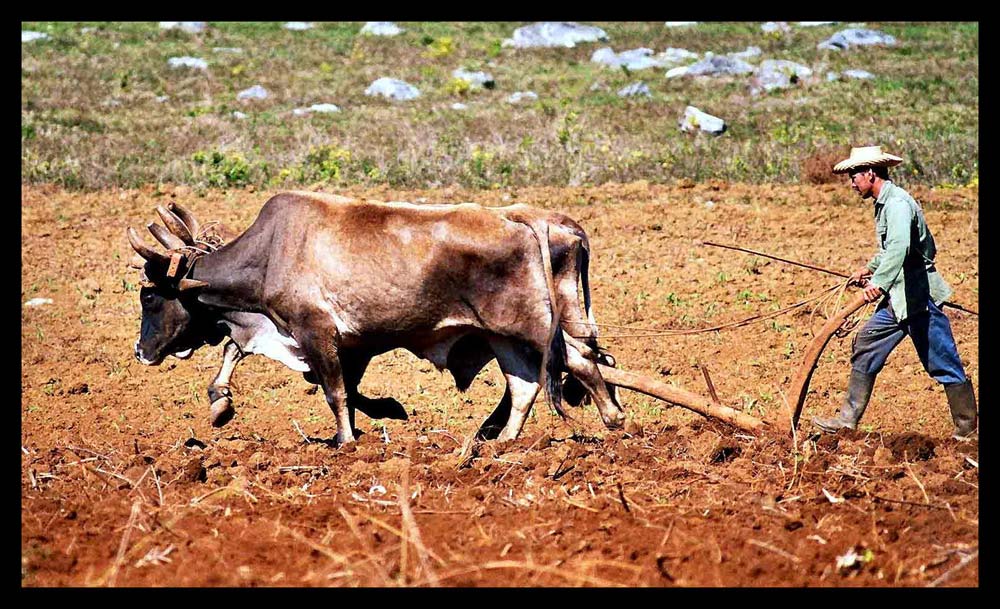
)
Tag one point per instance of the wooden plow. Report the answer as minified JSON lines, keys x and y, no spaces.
{"x":710,"y":407}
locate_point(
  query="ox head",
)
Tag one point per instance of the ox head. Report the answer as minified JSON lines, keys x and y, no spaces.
{"x":171,"y":324}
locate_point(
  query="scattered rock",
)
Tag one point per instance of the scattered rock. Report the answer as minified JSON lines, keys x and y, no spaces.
{"x":381,"y":28}
{"x":37,"y":302}
{"x":191,"y":27}
{"x":635,"y":59}
{"x":554,"y":34}
{"x":254,"y":92}
{"x":29,"y":36}
{"x":229,"y":50}
{"x":188,"y":62}
{"x":714,"y":65}
{"x":679,"y":23}
{"x":239,"y":115}
{"x":749,"y":53}
{"x":861,"y":74}
{"x":635,"y":89}
{"x":391,"y":88}
{"x":518,"y":96}
{"x":695,"y":119}
{"x":161,"y":98}
{"x":850,"y":37}
{"x":322,"y":108}
{"x":779,"y":27}
{"x":778,"y":74}
{"x":458,"y":106}
{"x":297,"y":26}
{"x":477,"y":79}
{"x":675,"y":55}
{"x":814,"y":23}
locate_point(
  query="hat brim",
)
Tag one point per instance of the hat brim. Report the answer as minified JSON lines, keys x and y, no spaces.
{"x":885,"y":160}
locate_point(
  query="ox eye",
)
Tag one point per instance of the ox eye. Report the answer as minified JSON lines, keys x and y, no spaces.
{"x":147,"y":299}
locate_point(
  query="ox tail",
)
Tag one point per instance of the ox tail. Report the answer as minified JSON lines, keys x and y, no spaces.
{"x":584,"y":262}
{"x":554,"y":355}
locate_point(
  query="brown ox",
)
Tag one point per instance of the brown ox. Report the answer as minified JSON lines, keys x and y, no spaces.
{"x":324,"y":285}
{"x":570,"y":255}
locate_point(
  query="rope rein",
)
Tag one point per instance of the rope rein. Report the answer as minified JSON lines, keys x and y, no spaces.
{"x":822,"y":299}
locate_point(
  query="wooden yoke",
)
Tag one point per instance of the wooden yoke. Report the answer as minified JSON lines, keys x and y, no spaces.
{"x":800,"y":385}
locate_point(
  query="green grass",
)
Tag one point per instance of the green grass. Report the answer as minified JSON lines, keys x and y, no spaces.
{"x":90,"y":119}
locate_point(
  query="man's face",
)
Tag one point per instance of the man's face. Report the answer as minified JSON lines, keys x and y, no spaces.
{"x":861,"y":182}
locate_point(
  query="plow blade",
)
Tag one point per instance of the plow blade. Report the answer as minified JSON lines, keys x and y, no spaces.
{"x":680,"y":397}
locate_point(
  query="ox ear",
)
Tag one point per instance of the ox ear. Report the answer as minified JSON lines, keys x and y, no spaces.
{"x":191,"y":284}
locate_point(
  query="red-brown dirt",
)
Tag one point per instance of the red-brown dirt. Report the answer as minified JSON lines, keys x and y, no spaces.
{"x":125,"y":483}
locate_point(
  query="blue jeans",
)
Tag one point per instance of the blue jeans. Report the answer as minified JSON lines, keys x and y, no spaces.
{"x":930,"y":333}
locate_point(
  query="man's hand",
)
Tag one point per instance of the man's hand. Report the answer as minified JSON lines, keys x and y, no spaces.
{"x":872,"y":291}
{"x":860,"y":277}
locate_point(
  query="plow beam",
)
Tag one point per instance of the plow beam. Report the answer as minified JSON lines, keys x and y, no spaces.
{"x":680,"y":397}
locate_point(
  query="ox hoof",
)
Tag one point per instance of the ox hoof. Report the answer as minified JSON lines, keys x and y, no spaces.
{"x":615,"y":422}
{"x":222,"y":411}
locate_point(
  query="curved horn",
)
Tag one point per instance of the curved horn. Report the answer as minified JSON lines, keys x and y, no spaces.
{"x":186,"y":217}
{"x":175,"y":224}
{"x":165,"y":237}
{"x":137,"y":262}
{"x":144,"y":250}
{"x":190,"y":284}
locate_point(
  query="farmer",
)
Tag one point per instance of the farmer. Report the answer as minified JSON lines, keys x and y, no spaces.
{"x":903,"y":278}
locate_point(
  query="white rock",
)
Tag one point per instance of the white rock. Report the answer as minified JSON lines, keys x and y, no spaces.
{"x":519,"y":96}
{"x":679,"y":23}
{"x":845,"y":39}
{"x":324,"y":108}
{"x":392,"y":88}
{"x":239,"y":115}
{"x":298,"y":25}
{"x":832,"y":76}
{"x":554,"y":34}
{"x":191,"y":27}
{"x":381,"y":28}
{"x":635,"y":59}
{"x":188,"y":62}
{"x":29,"y":36}
{"x":230,"y":50}
{"x":694,"y":119}
{"x":673,"y":55}
{"x":775,"y":26}
{"x":162,"y":98}
{"x":709,"y":204}
{"x":37,"y":302}
{"x":862,"y":74}
{"x":458,"y":106}
{"x":814,"y":23}
{"x":479,"y":79}
{"x":254,"y":92}
{"x":749,"y":53}
{"x":675,"y":72}
{"x":635,"y":89}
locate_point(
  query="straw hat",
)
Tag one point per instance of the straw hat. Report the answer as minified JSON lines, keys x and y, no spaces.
{"x":867,"y":156}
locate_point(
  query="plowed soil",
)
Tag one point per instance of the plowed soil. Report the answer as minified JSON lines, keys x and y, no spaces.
{"x":124,"y":482}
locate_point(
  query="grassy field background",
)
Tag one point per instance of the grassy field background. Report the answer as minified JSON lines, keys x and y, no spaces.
{"x":101,"y":107}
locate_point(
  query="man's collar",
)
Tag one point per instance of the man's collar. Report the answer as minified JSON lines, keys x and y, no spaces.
{"x":884,"y":192}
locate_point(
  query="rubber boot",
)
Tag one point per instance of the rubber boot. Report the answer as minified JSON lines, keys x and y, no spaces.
{"x":859,"y":391}
{"x":962,"y":403}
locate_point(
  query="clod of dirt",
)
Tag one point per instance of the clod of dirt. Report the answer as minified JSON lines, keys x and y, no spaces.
{"x":258,"y":460}
{"x":79,"y":388}
{"x":883,"y":457}
{"x":726,"y":451}
{"x":633,"y":428}
{"x":911,"y":446}
{"x":193,"y":471}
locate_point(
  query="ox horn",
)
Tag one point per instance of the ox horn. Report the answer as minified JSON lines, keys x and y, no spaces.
{"x":190,"y":284}
{"x":186,"y":217}
{"x":137,"y":262}
{"x":165,"y":237}
{"x":144,"y":250}
{"x":175,"y":224}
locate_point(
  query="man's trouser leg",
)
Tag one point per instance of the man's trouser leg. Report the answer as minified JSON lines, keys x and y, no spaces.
{"x":935,"y":344}
{"x":870,"y":350}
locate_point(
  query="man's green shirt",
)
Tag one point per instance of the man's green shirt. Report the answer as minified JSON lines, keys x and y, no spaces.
{"x":904,"y":264}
